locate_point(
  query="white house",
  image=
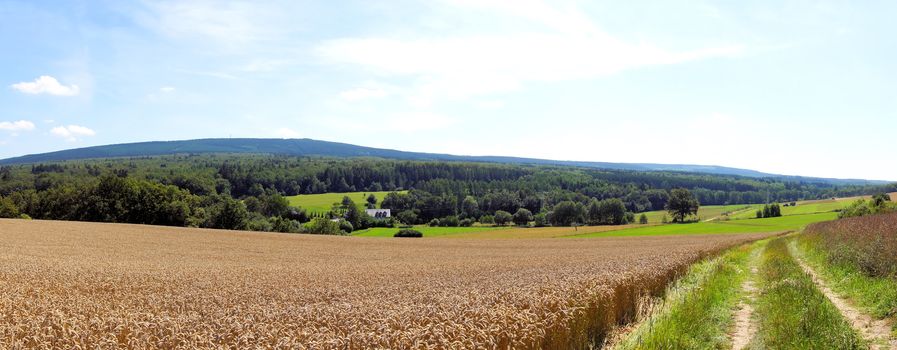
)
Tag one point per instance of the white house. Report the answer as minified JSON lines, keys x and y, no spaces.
{"x":378,"y":213}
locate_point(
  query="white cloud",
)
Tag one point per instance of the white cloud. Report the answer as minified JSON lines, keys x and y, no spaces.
{"x":167,"y":89}
{"x":287,"y":133}
{"x":363,"y":93}
{"x":46,"y":84}
{"x":71,"y":133}
{"x":20,"y":125}
{"x":564,"y":44}
{"x":231,"y":24}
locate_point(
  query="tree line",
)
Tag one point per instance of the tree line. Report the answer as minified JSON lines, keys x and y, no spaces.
{"x":247,"y":191}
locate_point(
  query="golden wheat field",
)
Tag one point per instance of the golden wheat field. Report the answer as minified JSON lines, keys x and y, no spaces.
{"x":85,"y":285}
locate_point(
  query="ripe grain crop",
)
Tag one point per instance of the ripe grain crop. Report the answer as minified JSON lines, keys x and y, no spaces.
{"x":87,"y":285}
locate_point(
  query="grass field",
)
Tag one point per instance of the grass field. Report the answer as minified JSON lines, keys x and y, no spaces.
{"x":323,"y":202}
{"x":778,"y":224}
{"x":77,"y":285}
{"x":801,"y":208}
{"x":705,"y":212}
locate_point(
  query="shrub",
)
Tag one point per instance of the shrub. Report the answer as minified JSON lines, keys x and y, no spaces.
{"x":24,"y":217}
{"x":465,"y":223}
{"x":502,"y":217}
{"x":540,"y":220}
{"x":408,"y":233}
{"x":433,"y":223}
{"x":322,"y":226}
{"x":643,"y":219}
{"x":449,"y":221}
{"x":487,"y":219}
{"x":346,"y":226}
{"x":522,"y":217}
{"x":8,"y":209}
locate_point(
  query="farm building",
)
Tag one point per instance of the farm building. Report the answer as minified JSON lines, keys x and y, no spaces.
{"x":378,"y":213}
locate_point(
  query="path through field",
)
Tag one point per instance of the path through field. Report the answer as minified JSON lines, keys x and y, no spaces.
{"x":877,"y":332}
{"x":745,"y":327}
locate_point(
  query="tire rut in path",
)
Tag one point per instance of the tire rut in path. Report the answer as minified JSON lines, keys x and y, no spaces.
{"x":876,"y":332}
{"x":745,"y":328}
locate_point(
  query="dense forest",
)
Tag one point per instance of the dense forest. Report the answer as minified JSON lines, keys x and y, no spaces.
{"x":246,"y":191}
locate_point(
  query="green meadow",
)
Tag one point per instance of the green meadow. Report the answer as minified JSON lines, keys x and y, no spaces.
{"x":705,"y":212}
{"x":782,"y":223}
{"x":324,"y":201}
{"x":800,"y":209}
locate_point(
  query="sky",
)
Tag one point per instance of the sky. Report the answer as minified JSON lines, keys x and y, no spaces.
{"x":786,"y":87}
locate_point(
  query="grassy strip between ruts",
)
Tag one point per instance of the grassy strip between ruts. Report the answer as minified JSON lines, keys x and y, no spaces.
{"x":792,"y":312}
{"x":876,"y":296}
{"x":697,"y":310}
{"x":783,"y":223}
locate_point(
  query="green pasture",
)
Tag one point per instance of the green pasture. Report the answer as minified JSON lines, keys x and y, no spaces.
{"x":800,"y":209}
{"x":324,"y":201}
{"x":426,"y":230}
{"x":705,"y":212}
{"x":783,"y":223}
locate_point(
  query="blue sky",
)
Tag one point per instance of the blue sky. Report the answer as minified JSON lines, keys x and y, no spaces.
{"x":790,"y":87}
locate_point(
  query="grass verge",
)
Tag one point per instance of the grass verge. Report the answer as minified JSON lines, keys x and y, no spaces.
{"x":697,"y":310}
{"x":792,"y":312}
{"x":876,"y":296}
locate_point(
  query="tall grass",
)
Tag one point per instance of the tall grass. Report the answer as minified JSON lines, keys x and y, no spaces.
{"x":869,"y":242}
{"x":793,"y":313}
{"x":697,"y":310}
{"x":858,"y":256}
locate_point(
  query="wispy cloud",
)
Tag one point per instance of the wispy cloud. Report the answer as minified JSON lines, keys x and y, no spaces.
{"x":568,"y":46}
{"x":228,"y":25}
{"x":20,"y":125}
{"x":46,"y":84}
{"x":71,"y":133}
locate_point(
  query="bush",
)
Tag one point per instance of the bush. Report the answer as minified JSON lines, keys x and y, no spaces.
{"x":643,"y":219}
{"x":522,"y":217}
{"x":407,"y":217}
{"x":346,"y":226}
{"x":502,"y":217}
{"x":863,"y":207}
{"x":24,"y":217}
{"x":257,"y":222}
{"x":280,"y":224}
{"x":487,"y":219}
{"x":8,"y":209}
{"x":322,"y":226}
{"x":408,"y":233}
{"x":433,"y":223}
{"x":540,"y":220}
{"x":466,"y":223}
{"x":449,"y":221}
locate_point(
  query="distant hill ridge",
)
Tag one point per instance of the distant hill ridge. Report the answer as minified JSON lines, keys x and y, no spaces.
{"x":309,"y":147}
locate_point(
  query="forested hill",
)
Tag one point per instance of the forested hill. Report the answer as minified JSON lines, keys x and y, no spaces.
{"x":309,"y":147}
